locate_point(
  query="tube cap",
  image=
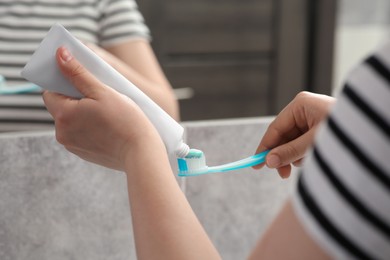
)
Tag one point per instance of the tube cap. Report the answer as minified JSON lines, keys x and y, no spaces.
{"x":182,"y":150}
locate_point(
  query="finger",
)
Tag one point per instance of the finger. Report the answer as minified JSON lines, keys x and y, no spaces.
{"x":80,"y":77}
{"x":290,"y":152}
{"x":258,"y":166}
{"x":54,"y":102}
{"x":288,"y":137}
{"x":298,"y":163}
{"x":274,"y":138}
{"x":284,"y":171}
{"x":283,"y":125}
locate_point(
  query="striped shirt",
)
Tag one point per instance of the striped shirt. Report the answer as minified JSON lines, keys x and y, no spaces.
{"x":343,"y":193}
{"x":24,"y":23}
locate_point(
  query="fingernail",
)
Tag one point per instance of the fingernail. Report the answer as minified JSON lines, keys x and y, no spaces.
{"x":65,"y":55}
{"x":273,"y":161}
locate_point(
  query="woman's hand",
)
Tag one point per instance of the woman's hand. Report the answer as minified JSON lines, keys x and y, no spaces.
{"x":292,"y":132}
{"x":105,"y":126}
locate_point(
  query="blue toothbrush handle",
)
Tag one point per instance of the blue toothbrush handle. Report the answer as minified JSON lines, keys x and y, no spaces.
{"x":244,"y":163}
{"x":18,"y":89}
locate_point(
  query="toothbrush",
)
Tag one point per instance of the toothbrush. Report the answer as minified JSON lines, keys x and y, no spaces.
{"x":19,"y":89}
{"x":194,"y":164}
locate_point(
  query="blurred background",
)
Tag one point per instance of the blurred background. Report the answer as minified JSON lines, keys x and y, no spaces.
{"x":245,"y":58}
{"x":361,"y":26}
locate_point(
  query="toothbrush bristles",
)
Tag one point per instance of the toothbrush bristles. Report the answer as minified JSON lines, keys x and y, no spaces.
{"x":196,"y":164}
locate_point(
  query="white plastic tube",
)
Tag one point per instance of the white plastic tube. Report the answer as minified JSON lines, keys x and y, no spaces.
{"x":42,"y":69}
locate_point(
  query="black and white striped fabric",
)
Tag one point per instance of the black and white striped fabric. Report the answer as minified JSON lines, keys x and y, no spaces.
{"x":24,"y":23}
{"x":343,"y":194}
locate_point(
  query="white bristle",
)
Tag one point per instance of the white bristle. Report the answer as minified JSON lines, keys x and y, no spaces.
{"x":196,"y":164}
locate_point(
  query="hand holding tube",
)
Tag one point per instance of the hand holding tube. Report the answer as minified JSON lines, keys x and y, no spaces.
{"x":103,"y":126}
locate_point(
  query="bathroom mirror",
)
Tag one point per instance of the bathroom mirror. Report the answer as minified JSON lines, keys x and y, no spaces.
{"x":242,"y":58}
{"x":224,"y":58}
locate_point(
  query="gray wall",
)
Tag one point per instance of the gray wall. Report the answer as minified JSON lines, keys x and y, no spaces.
{"x":363,"y":12}
{"x":56,"y":206}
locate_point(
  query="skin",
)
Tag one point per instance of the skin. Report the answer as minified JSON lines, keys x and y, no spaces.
{"x":163,"y":221}
{"x":136,"y":61}
{"x":293,"y":130}
{"x":286,"y":238}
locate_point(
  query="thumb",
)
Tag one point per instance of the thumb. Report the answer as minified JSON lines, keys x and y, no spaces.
{"x":78,"y":75}
{"x":260,"y":148}
{"x":290,"y":152}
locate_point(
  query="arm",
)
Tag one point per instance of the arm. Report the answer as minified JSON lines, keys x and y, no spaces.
{"x":293,"y":130}
{"x":287,"y":239}
{"x":137,"y":62}
{"x":342,"y":197}
{"x":289,"y":136}
{"x":165,"y":226}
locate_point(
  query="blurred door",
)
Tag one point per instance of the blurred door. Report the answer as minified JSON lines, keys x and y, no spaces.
{"x":241,"y":58}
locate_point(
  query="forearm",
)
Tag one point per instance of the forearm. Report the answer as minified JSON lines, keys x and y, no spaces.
{"x":138,"y":64}
{"x":159,"y":92}
{"x":164,"y":224}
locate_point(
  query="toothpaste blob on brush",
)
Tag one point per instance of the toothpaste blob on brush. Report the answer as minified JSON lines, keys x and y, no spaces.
{"x":194,"y":164}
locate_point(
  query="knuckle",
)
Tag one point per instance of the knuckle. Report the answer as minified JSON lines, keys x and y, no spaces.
{"x":291,"y":152}
{"x":276,"y":132}
{"x":303,"y":95}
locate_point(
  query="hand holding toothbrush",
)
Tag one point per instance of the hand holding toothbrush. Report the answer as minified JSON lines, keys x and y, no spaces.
{"x":293,"y":130}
